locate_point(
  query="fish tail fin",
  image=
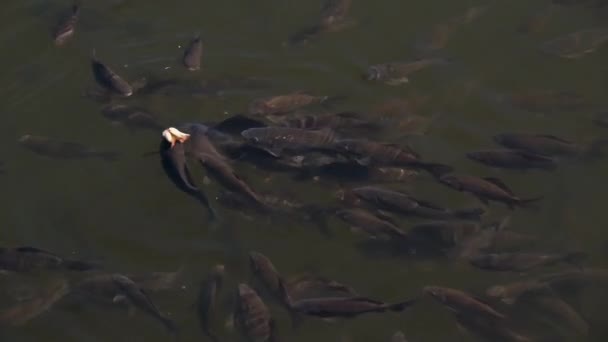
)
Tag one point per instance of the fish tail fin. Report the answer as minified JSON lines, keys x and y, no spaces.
{"x":469,"y":214}
{"x":398,"y":307}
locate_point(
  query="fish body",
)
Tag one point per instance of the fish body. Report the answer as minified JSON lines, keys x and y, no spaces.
{"x":396,"y":73}
{"x":251,"y":315}
{"x":193,"y":54}
{"x":26,"y":259}
{"x":60,"y":149}
{"x":371,"y":224}
{"x":327,"y":307}
{"x":110,"y":80}
{"x":461,"y":302}
{"x":132,"y":117}
{"x":67,"y":27}
{"x":338,"y":121}
{"x":513,"y":159}
{"x":309,"y":285}
{"x":540,"y":144}
{"x":520,"y":262}
{"x":207,"y":299}
{"x":282,"y":104}
{"x":276,"y":139}
{"x":23,"y":312}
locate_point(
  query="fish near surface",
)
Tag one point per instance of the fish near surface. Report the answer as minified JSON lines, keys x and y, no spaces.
{"x":576,"y":44}
{"x":309,"y":285}
{"x":282,"y":104}
{"x":263,"y":269}
{"x":490,"y":329}
{"x":405,"y":204}
{"x":173,"y":161}
{"x":398,"y":336}
{"x":276,"y":139}
{"x":513,"y":159}
{"x":542,"y":144}
{"x":396,"y":73}
{"x":208,"y":296}
{"x":461,"y":302}
{"x":23,"y":312}
{"x":193,"y":54}
{"x":371,"y":224}
{"x":110,"y":80}
{"x":519,"y":262}
{"x":25,"y":259}
{"x":252,"y":316}
{"x":61,"y":149}
{"x":442,"y":235}
{"x":132,"y":117}
{"x":486,"y":189}
{"x":67,"y":27}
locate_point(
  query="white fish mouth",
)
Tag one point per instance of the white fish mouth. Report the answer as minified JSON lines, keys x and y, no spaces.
{"x":173,"y":136}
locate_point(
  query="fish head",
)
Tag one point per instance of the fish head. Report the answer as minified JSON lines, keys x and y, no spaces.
{"x":173,"y":136}
{"x":436,"y":292}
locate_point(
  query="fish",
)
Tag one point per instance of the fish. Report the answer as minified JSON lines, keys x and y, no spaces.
{"x":490,"y":329}
{"x":307,"y":285}
{"x":208,"y":296}
{"x":173,"y":162}
{"x":510,"y":293}
{"x":461,"y":302}
{"x":67,"y":27}
{"x":192,"y":54}
{"x":347,"y":307}
{"x":251,"y":315}
{"x":282,"y":104}
{"x":275,"y":140}
{"x":334,"y":11}
{"x":562,"y":311}
{"x":521,"y":262}
{"x":403,"y":203}
{"x":157,"y":281}
{"x":396,"y":73}
{"x":21,"y":313}
{"x":541,"y":144}
{"x":576,"y":44}
{"x":263,"y":269}
{"x":486,"y":189}
{"x":136,"y":296}
{"x":369,"y":152}
{"x":334,"y":18}
{"x":371,"y":224}
{"x":27,"y":259}
{"x":61,"y":149}
{"x":392,"y":174}
{"x":343,"y":121}
{"x":513,"y":159}
{"x":110,"y":80}
{"x":132,"y":117}
{"x":547,"y":101}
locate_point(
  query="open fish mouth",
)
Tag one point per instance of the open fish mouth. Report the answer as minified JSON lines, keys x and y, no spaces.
{"x":173,"y":136}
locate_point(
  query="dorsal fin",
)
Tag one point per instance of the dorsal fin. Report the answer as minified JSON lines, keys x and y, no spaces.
{"x":499,"y":184}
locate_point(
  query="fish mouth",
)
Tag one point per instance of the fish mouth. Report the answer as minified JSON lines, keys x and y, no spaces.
{"x":173,"y":136}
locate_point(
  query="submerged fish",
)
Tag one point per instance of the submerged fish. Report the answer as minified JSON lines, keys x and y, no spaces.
{"x":23,"y":312}
{"x":537,"y":21}
{"x":66,"y":28}
{"x":132,"y":117}
{"x":26,"y":259}
{"x":520,"y":262}
{"x":576,"y":44}
{"x":309,"y":285}
{"x":276,"y":139}
{"x":60,"y":149}
{"x":207,"y":299}
{"x":461,"y":302}
{"x":110,"y":80}
{"x":486,"y":189}
{"x":490,"y":329}
{"x":251,"y":315}
{"x":193,"y":54}
{"x":264,"y":270}
{"x":282,"y":104}
{"x":371,"y":224}
{"x":346,"y":121}
{"x":545,"y":145}
{"x":513,"y":159}
{"x":397,"y":73}
{"x":333,"y":18}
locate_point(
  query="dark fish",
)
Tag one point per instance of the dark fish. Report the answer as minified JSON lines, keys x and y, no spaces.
{"x":251,"y":315}
{"x":53,"y":148}
{"x":23,"y":312}
{"x":309,"y":285}
{"x":137,"y":297}
{"x":25,"y":259}
{"x":66,"y":28}
{"x":513,"y":159}
{"x":193,"y":54}
{"x":263,"y":269}
{"x":486,"y":189}
{"x":334,"y":12}
{"x":461,"y":302}
{"x":405,"y":204}
{"x":173,"y":161}
{"x":396,"y":73}
{"x":347,"y":307}
{"x":371,"y":224}
{"x":276,"y":139}
{"x":520,"y":262}
{"x":510,"y":293}
{"x":282,"y":104}
{"x":541,"y":144}
{"x":132,"y":117}
{"x":385,"y":154}
{"x":576,"y":44}
{"x":207,"y":299}
{"x":333,"y":18}
{"x":340,"y":121}
{"x":157,"y":281}
{"x":110,"y":80}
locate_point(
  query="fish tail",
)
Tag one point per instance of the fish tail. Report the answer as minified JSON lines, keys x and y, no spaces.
{"x":398,"y":307}
{"x":469,"y":214}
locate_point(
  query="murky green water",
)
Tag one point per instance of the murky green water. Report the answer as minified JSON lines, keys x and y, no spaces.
{"x":129,"y":216}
